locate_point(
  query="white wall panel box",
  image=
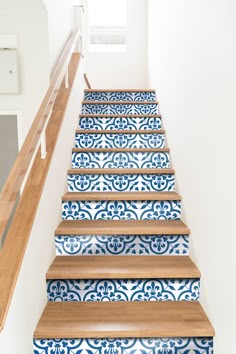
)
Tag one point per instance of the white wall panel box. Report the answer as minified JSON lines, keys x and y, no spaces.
{"x":9,"y":71}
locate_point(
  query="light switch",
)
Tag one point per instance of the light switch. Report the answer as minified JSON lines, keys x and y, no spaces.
{"x":9,"y":72}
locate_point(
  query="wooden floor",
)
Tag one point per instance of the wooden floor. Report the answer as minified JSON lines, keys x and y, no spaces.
{"x":122,"y":227}
{"x":123,"y":320}
{"x":74,"y":196}
{"x":122,"y":267}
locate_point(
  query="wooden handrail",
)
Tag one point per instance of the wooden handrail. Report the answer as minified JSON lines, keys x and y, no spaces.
{"x":12,"y":252}
{"x":11,"y":189}
{"x":87,"y":81}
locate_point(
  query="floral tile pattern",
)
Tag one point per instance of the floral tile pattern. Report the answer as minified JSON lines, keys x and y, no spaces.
{"x":119,"y":183}
{"x":115,"y":140}
{"x":121,"y":210}
{"x":126,"y":108}
{"x":119,"y":96}
{"x":120,"y":123}
{"x":131,"y":245}
{"x":120,"y":160}
{"x":124,"y":290}
{"x":124,"y":346}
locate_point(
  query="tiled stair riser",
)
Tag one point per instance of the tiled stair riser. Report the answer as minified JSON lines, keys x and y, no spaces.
{"x":125,"y":108}
{"x":119,"y":183}
{"x":121,"y":210}
{"x":123,"y":290}
{"x":119,"y":96}
{"x":124,"y":346}
{"x":120,"y":123}
{"x":120,"y":160}
{"x":117,"y":245}
{"x":112,"y":140}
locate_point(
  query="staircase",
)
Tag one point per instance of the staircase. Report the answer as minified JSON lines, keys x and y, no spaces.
{"x":122,"y":280}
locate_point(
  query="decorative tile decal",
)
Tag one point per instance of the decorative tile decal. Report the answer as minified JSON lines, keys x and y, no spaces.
{"x":122,"y":210}
{"x":112,"y":140}
{"x":124,"y":346}
{"x":126,"y":108}
{"x":120,"y":123}
{"x":119,"y":183}
{"x":119,"y":96}
{"x":124,"y":290}
{"x":120,"y":160}
{"x":131,"y":245}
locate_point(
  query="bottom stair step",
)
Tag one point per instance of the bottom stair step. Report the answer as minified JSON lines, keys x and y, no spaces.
{"x":198,"y":345}
{"x":123,"y":320}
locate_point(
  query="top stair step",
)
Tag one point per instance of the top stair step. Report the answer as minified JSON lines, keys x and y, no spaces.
{"x":145,"y":319}
{"x":124,"y":95}
{"x":120,"y":102}
{"x":120,"y":115}
{"x":119,"y":90}
{"x":154,"y":132}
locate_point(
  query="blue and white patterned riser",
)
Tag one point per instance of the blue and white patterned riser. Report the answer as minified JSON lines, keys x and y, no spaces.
{"x":123,"y":290}
{"x":120,"y":123}
{"x":119,"y":96}
{"x":115,"y":140}
{"x":121,"y":210}
{"x":125,"y":108}
{"x":125,"y":346}
{"x":118,"y":183}
{"x":120,"y":160}
{"x":117,"y":245}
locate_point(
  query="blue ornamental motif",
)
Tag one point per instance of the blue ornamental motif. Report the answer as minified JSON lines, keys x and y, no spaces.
{"x":120,"y":123}
{"x":100,"y":245}
{"x":125,"y":346}
{"x":125,"y":108}
{"x":124,"y":290}
{"x":121,"y":210}
{"x":120,"y":96}
{"x":121,"y":183}
{"x":120,"y":160}
{"x":115,"y":140}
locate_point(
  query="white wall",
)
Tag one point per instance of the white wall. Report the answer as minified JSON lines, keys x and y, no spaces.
{"x":122,"y":69}
{"x":60,"y":23}
{"x":191,"y":57}
{"x":30,"y":294}
{"x":28,"y":20}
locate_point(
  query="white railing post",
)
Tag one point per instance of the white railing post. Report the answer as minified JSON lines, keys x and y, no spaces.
{"x":43,"y":145}
{"x":67,"y":78}
{"x":79,"y":12}
{"x":43,"y":139}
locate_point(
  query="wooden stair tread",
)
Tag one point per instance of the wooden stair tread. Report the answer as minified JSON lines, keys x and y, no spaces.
{"x":92,"y":115}
{"x":120,"y":171}
{"x":160,"y":131}
{"x":74,"y":196}
{"x":119,"y":90}
{"x":123,"y":320}
{"x":122,"y":227}
{"x":123,"y":267}
{"x":121,"y":150}
{"x":120,"y":102}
